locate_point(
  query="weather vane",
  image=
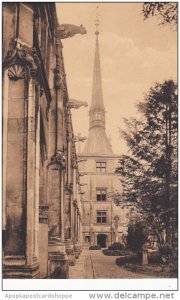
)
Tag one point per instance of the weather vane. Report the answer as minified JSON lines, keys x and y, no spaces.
{"x":97,"y":20}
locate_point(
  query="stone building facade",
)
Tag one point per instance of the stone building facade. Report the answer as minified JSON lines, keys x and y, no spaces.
{"x":102,"y":221}
{"x":41,"y":187}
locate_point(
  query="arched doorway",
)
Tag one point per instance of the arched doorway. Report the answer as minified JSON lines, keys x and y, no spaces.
{"x":101,"y":240}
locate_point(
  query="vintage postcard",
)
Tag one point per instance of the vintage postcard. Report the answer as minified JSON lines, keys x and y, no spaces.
{"x":89,"y":149}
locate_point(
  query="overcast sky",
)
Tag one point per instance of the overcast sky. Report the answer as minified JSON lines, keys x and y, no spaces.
{"x":134,"y":55}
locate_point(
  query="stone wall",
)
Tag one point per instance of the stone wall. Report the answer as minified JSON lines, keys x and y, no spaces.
{"x":111,"y":182}
{"x":39,"y":153}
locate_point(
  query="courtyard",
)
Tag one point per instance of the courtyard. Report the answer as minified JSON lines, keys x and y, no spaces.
{"x":96,"y":265}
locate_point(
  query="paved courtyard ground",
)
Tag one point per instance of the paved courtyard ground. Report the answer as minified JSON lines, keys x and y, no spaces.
{"x":94,"y":264}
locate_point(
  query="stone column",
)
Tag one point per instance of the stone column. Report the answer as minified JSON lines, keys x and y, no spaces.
{"x":79,"y":228}
{"x":116,"y":219}
{"x":81,"y":234}
{"x":75,"y":220}
{"x":5,"y":91}
{"x":77,"y":224}
{"x":58,"y":261}
{"x":43,"y":192}
{"x":20,"y":200}
{"x":43,"y":240}
{"x":62,"y":206}
{"x":68,"y":203}
{"x":37,"y":167}
{"x":73,"y":201}
{"x":67,"y":212}
{"x":74,"y":212}
{"x":76,"y":243}
{"x":67,"y":224}
{"x":32,"y":202}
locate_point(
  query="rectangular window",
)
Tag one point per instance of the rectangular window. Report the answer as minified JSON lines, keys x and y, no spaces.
{"x":87,"y":239}
{"x":101,"y":217}
{"x":100,"y":167}
{"x":101,"y":194}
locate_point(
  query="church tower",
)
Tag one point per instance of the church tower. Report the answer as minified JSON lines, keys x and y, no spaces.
{"x":97,"y":142}
{"x":102,"y":221}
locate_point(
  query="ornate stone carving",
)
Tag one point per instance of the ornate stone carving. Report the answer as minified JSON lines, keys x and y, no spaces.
{"x":78,"y":179}
{"x":58,"y":161}
{"x":69,"y":137}
{"x":81,"y":193}
{"x":74,"y":164}
{"x":81,"y":160}
{"x":79,"y":138}
{"x":16,"y":72}
{"x":116,"y":219}
{"x":83,"y":174}
{"x":74,"y":161}
{"x":75,"y":202}
{"x":58,"y":79}
{"x":76,"y":103}
{"x":65,"y":31}
{"x":59,"y":73}
{"x":69,"y":188}
{"x":41,"y":91}
{"x":43,"y":214}
{"x":22,"y":54}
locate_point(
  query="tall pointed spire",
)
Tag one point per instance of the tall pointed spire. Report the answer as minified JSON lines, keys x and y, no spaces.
{"x":97,"y":142}
{"x":97,"y":94}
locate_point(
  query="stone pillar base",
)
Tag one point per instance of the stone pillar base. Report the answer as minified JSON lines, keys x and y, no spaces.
{"x":70,"y":252}
{"x":77,"y":249}
{"x":58,"y":263}
{"x":16,"y":267}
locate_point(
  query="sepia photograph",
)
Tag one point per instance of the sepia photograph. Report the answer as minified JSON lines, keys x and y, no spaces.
{"x":89,"y":142}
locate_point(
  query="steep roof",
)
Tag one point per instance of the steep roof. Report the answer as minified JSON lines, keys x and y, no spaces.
{"x":97,"y":142}
{"x":97,"y":93}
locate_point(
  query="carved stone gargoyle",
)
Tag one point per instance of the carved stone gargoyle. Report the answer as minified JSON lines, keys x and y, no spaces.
{"x":82,"y":184}
{"x":81,"y":160}
{"x":83,"y":174}
{"x":79,"y":138}
{"x":58,"y":161}
{"x":65,"y":31}
{"x":73,"y":103}
{"x":81,"y":193}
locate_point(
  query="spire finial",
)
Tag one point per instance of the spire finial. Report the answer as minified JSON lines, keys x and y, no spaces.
{"x":97,"y":20}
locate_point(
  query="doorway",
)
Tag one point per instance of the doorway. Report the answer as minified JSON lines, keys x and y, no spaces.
{"x":101,"y":240}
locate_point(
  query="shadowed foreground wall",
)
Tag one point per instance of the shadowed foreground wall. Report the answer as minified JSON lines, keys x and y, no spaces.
{"x":39,"y":154}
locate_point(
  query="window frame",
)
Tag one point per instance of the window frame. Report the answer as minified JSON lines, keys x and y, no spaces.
{"x":102,"y":192}
{"x":101,"y":167}
{"x":87,"y":238}
{"x":101,"y":216}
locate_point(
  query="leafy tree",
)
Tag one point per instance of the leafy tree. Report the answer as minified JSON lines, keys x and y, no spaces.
{"x":136,"y":236}
{"x":149,"y":172}
{"x":166,"y":11}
